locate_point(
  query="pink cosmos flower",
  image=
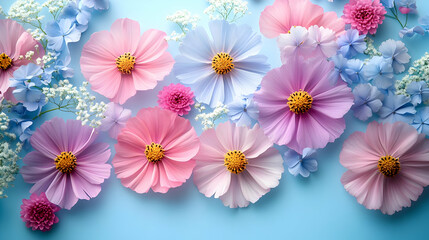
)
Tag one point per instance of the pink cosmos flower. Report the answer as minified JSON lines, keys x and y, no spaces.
{"x":364,"y":15}
{"x":38,"y":213}
{"x":115,"y":118}
{"x":298,"y":105}
{"x":388,"y":166}
{"x":284,"y":14}
{"x":155,"y":150}
{"x":67,"y":164}
{"x":237,"y":164}
{"x":119,"y":62}
{"x":14,"y":42}
{"x":176,"y":98}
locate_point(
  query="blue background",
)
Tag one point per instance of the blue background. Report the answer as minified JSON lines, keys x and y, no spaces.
{"x":314,"y":208}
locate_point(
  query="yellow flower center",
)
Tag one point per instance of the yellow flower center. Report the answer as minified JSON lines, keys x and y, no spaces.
{"x":5,"y":61}
{"x":154,"y":152}
{"x":65,"y":162}
{"x":222,"y":63}
{"x":389,"y":166}
{"x":235,"y":161}
{"x":125,"y":63}
{"x":299,"y":102}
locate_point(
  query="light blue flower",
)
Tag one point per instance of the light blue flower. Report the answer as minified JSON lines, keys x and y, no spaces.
{"x":421,"y":121}
{"x":81,"y":15}
{"x":60,"y":33}
{"x":242,"y":111}
{"x":96,"y":4}
{"x":223,"y":66}
{"x":424,"y":22}
{"x":397,"y":53}
{"x":28,"y":73}
{"x":21,"y":128}
{"x":368,"y":100}
{"x":354,"y":73}
{"x":19,"y":110}
{"x":388,"y":3}
{"x":409,"y":32}
{"x":380,"y":71}
{"x":339,"y":72}
{"x":30,"y":97}
{"x":418,"y":91}
{"x":397,"y":108}
{"x":351,"y":43}
{"x":301,"y":164}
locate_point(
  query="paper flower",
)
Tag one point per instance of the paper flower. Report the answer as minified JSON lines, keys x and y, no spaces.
{"x":380,"y":71}
{"x":387,"y":166}
{"x":284,"y":14}
{"x":312,"y":42}
{"x":155,"y":150}
{"x":351,"y":43}
{"x":421,"y":121}
{"x":176,"y":98}
{"x":368,"y":100}
{"x":237,"y":164}
{"x":222,"y":66}
{"x":115,"y":118}
{"x":364,"y":15}
{"x":397,"y":53}
{"x":67,"y":164}
{"x":120,"y":62}
{"x":299,"y":107}
{"x":301,"y":164}
{"x":16,"y":42}
{"x":242,"y":111}
{"x":396,"y":108}
{"x":418,"y":91}
{"x":38,"y":213}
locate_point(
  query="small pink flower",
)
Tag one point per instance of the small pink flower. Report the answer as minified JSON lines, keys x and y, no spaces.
{"x":404,"y":10}
{"x":387,"y":166}
{"x":364,"y":15}
{"x":38,"y":213}
{"x":176,"y":98}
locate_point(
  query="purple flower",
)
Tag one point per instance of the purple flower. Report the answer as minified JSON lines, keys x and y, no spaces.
{"x":397,"y":53}
{"x":397,"y":108}
{"x":409,"y":32}
{"x":380,"y":71}
{"x":351,"y":43}
{"x":67,"y":163}
{"x":242,"y":111}
{"x":301,"y":164}
{"x":38,"y":213}
{"x":353,"y":72}
{"x":368,"y":99}
{"x":116,"y":117}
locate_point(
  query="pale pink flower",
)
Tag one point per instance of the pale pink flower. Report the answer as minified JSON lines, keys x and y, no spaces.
{"x":284,"y":14}
{"x":388,"y":166}
{"x":155,"y":150}
{"x":120,"y":62}
{"x":237,"y":164}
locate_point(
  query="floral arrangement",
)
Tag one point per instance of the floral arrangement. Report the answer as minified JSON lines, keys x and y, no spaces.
{"x":329,"y":66}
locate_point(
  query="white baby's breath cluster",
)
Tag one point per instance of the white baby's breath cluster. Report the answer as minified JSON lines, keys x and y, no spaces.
{"x":69,"y":98}
{"x":49,"y":57}
{"x":208,"y":119}
{"x":27,"y":11}
{"x":1,"y":11}
{"x":55,"y":6}
{"x":229,"y":10}
{"x":37,"y":34}
{"x":418,"y":72}
{"x":185,"y":20}
{"x":370,"y":49}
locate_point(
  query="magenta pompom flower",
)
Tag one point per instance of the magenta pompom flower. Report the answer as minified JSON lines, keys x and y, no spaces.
{"x":388,"y":166}
{"x":155,"y":150}
{"x":120,"y":62}
{"x":67,"y":164}
{"x":364,"y":15}
{"x":237,"y":164}
{"x":176,"y":98}
{"x":299,"y":107}
{"x":38,"y":213}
